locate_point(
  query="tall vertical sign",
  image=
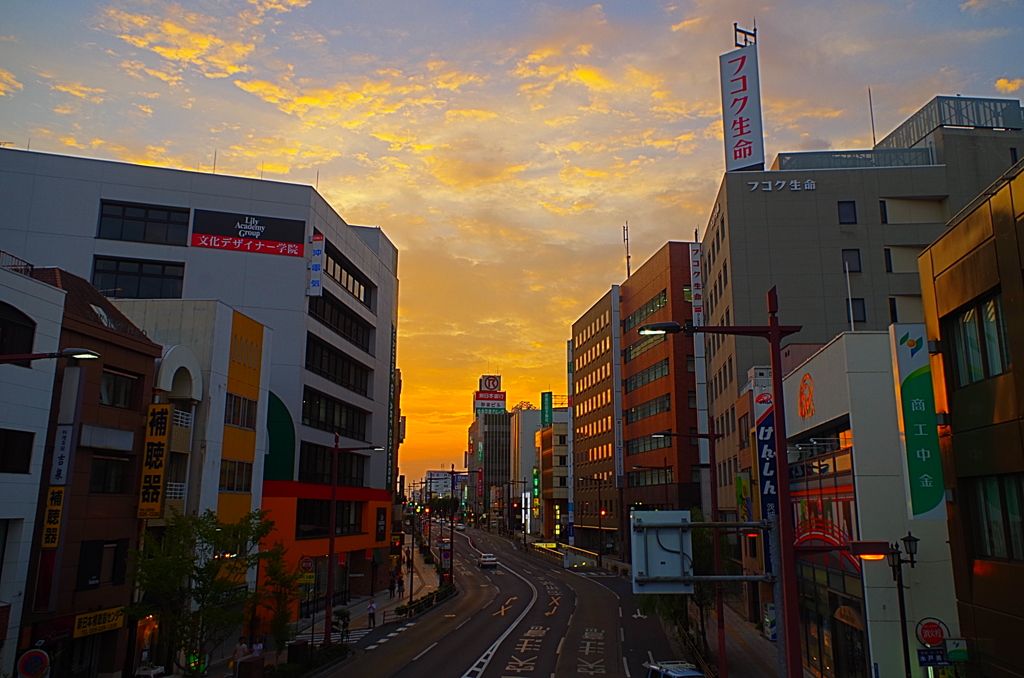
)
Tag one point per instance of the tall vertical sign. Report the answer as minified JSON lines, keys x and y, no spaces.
{"x":571,"y":503}
{"x":741,"y":109}
{"x":546,"y":413}
{"x":764,"y":439}
{"x":697,"y":300}
{"x":616,"y":330}
{"x":154,"y":460}
{"x":316,"y":267}
{"x":390,"y":473}
{"x":919,"y":433}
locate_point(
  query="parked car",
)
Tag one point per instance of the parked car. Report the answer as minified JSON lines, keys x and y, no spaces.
{"x":672,"y":669}
{"x":486,"y":560}
{"x":460,"y":527}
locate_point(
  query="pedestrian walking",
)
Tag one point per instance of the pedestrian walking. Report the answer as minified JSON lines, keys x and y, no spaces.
{"x":257,"y":647}
{"x":401,"y":585}
{"x":392,"y":585}
{"x":240,"y":652}
{"x":371,"y":612}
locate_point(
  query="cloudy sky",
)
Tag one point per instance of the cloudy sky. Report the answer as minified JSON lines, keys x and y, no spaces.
{"x":501,"y":144}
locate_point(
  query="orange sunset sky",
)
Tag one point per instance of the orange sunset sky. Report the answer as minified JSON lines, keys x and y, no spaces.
{"x":500,"y":144}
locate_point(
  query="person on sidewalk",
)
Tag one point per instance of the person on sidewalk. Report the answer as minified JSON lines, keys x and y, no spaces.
{"x":371,"y":614}
{"x":240,"y":652}
{"x":401,"y":585}
{"x":257,"y":647}
{"x":392,"y":585}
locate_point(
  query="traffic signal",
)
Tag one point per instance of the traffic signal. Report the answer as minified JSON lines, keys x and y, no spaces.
{"x":427,"y":509}
{"x":603,"y":512}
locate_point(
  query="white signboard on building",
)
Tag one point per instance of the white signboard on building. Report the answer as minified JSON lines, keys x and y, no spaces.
{"x":741,"y":109}
{"x":316,"y":267}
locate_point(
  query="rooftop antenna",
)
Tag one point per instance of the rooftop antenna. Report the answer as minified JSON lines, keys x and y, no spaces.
{"x":215,"y":161}
{"x":261,"y":169}
{"x":317,"y":186}
{"x":747,"y":37}
{"x":871,"y":107}
{"x":625,"y":239}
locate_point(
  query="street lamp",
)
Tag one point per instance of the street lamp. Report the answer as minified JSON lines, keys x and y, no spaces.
{"x":896,"y":562}
{"x":790,"y":647}
{"x":331,"y":564}
{"x":600,"y":515}
{"x":73,"y":353}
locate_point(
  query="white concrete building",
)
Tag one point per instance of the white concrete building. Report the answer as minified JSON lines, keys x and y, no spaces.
{"x":31,"y":313}
{"x":849,"y":484}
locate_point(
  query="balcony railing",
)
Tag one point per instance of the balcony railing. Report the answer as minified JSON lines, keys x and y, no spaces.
{"x":175,"y":491}
{"x":13,"y":263}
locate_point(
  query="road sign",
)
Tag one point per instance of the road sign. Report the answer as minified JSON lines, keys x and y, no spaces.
{"x":932,"y":657}
{"x":956,"y":649}
{"x":446,"y":555}
{"x":931,"y":632}
{"x":33,"y":664}
{"x":306,"y":578}
{"x":305,"y":564}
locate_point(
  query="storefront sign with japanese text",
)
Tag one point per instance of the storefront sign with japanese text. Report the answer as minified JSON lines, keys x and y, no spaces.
{"x":61,"y":455}
{"x":99,"y":622}
{"x":52,"y":515}
{"x":767,"y":464}
{"x":248,"y":233}
{"x":154,"y":460}
{"x":316,"y":267}
{"x":919,"y":432}
{"x":741,"y":109}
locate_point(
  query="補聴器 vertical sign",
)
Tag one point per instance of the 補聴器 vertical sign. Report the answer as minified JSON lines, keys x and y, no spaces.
{"x":154,"y":460}
{"x":918,"y":426}
{"x":741,"y":109}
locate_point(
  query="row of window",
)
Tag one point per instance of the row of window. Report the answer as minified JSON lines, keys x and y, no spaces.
{"x":659,"y":301}
{"x":592,"y":353}
{"x":649,"y":409}
{"x":647,"y":443}
{"x":331,"y":312}
{"x":240,"y":412}
{"x":332,"y":364}
{"x":313,"y":518}
{"x":997,"y":515}
{"x":651,"y":476}
{"x":980,"y":347}
{"x":647,"y":375}
{"x":593,"y":328}
{"x":321,"y":411}
{"x":343,"y":273}
{"x":315,"y":466}
{"x":643,"y":345}
{"x":143,"y":223}
{"x":138,"y":278}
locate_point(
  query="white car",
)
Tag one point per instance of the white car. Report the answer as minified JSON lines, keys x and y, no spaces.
{"x":461,"y":527}
{"x":486,"y":560}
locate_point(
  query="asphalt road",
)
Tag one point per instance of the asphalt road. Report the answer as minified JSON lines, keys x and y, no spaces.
{"x":524,"y":618}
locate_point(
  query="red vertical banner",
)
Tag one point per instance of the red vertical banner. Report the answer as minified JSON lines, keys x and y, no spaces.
{"x":480,"y":482}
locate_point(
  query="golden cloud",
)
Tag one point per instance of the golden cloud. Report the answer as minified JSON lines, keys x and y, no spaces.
{"x":8,"y":83}
{"x":688,"y":24}
{"x":464,"y":174}
{"x":77,"y":89}
{"x":183,"y":38}
{"x":145,"y":109}
{"x":1006,"y":86}
{"x":470,"y":114}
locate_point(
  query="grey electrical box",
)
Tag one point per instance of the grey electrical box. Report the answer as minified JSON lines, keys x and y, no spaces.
{"x":662,"y":551}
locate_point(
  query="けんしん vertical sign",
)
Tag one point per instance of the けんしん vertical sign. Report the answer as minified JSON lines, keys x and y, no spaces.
{"x":741,"y":109}
{"x":919,"y":431}
{"x":154,"y":460}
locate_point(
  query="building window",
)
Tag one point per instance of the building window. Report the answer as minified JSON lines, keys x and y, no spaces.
{"x":980,"y":347}
{"x":315,"y":466}
{"x":638,"y":316}
{"x":329,"y":414}
{"x":646,"y":376}
{"x":888,"y":260}
{"x":349,"y":519}
{"x":860,"y":314}
{"x":16,"y":451}
{"x":744,"y":429}
{"x":883,"y":212}
{"x":143,"y":223}
{"x":332,"y":364}
{"x":997,"y":515}
{"x":137,"y":279}
{"x":563,"y":481}
{"x":345,"y":274}
{"x":563,"y":440}
{"x":649,"y":409}
{"x":644,"y":345}
{"x":240,"y":412}
{"x":101,"y":562}
{"x":851,"y":261}
{"x":654,"y":476}
{"x":312,"y":518}
{"x":17,"y":332}
{"x":561,"y":460}
{"x":691,"y":363}
{"x":847,"y":212}
{"x":647,"y":443}
{"x":116,"y":389}
{"x":691,"y":399}
{"x":332,"y":312}
{"x":894,"y":316}
{"x":109,"y":474}
{"x":235,"y":476}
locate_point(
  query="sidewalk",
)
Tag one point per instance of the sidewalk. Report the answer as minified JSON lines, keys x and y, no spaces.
{"x":750,"y":654}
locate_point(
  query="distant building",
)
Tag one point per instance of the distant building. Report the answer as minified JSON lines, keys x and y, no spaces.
{"x":553,"y":468}
{"x":974,"y":303}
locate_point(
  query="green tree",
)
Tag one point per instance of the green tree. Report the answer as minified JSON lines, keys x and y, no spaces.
{"x":193,"y":579}
{"x":280,"y":591}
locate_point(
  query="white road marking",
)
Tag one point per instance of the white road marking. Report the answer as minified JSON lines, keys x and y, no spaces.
{"x":626,"y":666}
{"x":650,"y":656}
{"x":622,"y":634}
{"x":559,"y":650}
{"x":435,"y":645}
